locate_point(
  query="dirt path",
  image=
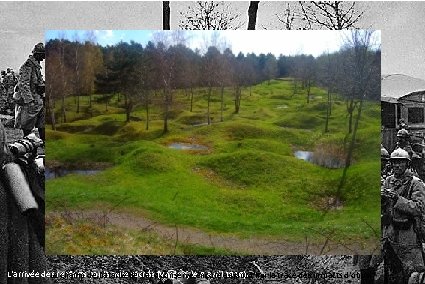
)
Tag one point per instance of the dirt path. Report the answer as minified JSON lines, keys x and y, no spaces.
{"x":254,"y":246}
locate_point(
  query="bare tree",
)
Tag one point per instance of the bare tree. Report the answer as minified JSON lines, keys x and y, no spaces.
{"x":211,"y":66}
{"x":224,"y":75}
{"x":239,"y":64}
{"x":141,"y":93}
{"x":77,"y":68}
{"x":252,"y":14}
{"x":165,"y":66}
{"x":64,"y":86}
{"x":303,"y":72}
{"x":209,"y":16}
{"x":165,"y":15}
{"x":270,"y":68}
{"x":360,"y":80}
{"x":93,"y":63}
{"x":54,"y":83}
{"x":329,"y":75}
{"x":330,"y":15}
{"x":308,"y":74}
{"x":193,"y":75}
{"x":288,"y":17}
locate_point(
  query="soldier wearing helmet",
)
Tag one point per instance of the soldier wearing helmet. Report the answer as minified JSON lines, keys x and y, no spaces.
{"x":403,"y":205}
{"x":403,"y":138}
{"x":368,"y":264}
{"x":2,"y":90}
{"x":403,"y":124}
{"x":385,"y":168}
{"x":30,"y":93}
{"x":9,"y":84}
{"x":404,"y":142}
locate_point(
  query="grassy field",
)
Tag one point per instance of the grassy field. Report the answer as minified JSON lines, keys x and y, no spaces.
{"x":247,"y":183}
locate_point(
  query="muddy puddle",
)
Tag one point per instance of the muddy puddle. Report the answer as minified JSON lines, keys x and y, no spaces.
{"x":187,"y":146}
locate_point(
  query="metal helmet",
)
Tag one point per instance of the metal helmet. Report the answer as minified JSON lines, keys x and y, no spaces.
{"x":384,"y":154}
{"x":38,"y":48}
{"x":403,"y":133}
{"x":400,"y":154}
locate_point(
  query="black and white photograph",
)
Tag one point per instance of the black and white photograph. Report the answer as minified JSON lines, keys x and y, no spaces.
{"x":90,"y":123}
{"x":22,"y":160}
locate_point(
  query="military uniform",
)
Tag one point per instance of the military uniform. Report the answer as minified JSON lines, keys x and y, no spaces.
{"x":30,"y":112}
{"x":9,"y":85}
{"x":402,"y":248}
{"x":404,"y":142}
{"x":9,"y":82}
{"x":368,"y":264}
{"x":385,"y":167}
{"x":3,"y":97}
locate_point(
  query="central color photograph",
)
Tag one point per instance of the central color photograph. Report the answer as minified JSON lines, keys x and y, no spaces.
{"x":213,"y":142}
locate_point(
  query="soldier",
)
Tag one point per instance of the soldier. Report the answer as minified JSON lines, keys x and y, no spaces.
{"x":31,"y":90}
{"x":385,"y":167}
{"x":403,"y":124}
{"x":404,"y":142}
{"x":368,"y":264}
{"x":9,"y":85}
{"x":14,"y":77}
{"x":403,"y":139}
{"x":2,"y":92}
{"x":403,"y":197}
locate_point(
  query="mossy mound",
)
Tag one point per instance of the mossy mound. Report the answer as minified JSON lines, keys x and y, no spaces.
{"x":321,"y":106}
{"x":192,"y":119}
{"x":150,"y":160}
{"x":243,"y":131}
{"x":107,"y":128}
{"x":254,"y":168}
{"x":102,"y":125}
{"x":55,"y":135}
{"x":256,"y":145}
{"x":134,"y":131}
{"x":75,"y":128}
{"x":304,"y":121}
{"x":262,"y":114}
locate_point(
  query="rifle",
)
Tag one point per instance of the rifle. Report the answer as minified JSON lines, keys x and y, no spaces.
{"x":392,"y":263}
{"x":420,"y":234}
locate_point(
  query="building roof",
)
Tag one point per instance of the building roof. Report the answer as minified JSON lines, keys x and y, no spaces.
{"x":396,"y":86}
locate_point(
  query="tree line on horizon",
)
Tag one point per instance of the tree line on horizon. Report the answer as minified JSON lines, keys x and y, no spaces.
{"x":151,"y":74}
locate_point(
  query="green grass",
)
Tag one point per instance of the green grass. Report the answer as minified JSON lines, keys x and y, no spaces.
{"x":248,"y":183}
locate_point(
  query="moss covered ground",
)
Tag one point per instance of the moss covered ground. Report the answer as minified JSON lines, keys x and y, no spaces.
{"x":247,"y":183}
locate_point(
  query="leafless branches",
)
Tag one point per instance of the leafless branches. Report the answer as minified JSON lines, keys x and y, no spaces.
{"x":209,"y":16}
{"x":288,"y":17}
{"x":328,"y":15}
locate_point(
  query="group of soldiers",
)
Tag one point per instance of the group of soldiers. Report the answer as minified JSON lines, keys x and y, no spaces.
{"x":8,"y":81}
{"x":22,"y":95}
{"x":402,"y":258}
{"x":22,"y":175}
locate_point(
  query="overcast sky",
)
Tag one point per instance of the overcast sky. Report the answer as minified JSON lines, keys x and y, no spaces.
{"x":260,"y":41}
{"x":22,"y":24}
